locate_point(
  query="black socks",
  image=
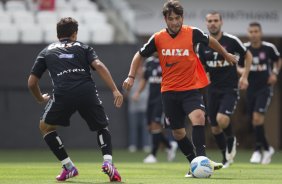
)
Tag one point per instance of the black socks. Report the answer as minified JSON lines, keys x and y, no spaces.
{"x":198,"y":137}
{"x":55,"y":144}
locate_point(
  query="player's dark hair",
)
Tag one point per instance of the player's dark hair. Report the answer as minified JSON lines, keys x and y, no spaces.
{"x":215,"y":13}
{"x":255,"y":24}
{"x":172,"y":6}
{"x":66,"y":27}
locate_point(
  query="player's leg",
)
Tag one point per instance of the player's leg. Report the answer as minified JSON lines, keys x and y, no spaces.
{"x":174,"y":118}
{"x":213,"y":106}
{"x":154,"y":131}
{"x":133,"y":131}
{"x":57,"y":113}
{"x":157,"y":125}
{"x":192,"y":103}
{"x":261,"y":105}
{"x":251,"y":101}
{"x":93,"y":113}
{"x":226,"y":109}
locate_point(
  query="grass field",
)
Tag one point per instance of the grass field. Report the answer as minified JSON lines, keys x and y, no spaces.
{"x":40,"y":167}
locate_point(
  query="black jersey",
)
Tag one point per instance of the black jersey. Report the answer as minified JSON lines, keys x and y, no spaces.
{"x":262,"y":64}
{"x":68,"y":63}
{"x":222,"y":74}
{"x":153,"y":75}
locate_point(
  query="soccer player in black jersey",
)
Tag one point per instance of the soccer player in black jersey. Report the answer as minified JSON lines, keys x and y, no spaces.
{"x":263,"y":75}
{"x":69,"y":63}
{"x":153,"y":76}
{"x":223,"y":90}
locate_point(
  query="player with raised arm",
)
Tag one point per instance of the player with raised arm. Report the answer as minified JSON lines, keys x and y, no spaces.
{"x":153,"y":75}
{"x":182,"y":77}
{"x":223,"y":92}
{"x":263,"y":76}
{"x":69,"y":63}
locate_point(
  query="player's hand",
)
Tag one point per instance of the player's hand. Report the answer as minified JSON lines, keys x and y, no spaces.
{"x":135,"y":97}
{"x":243,"y":83}
{"x":128,"y":83}
{"x":231,"y":59}
{"x":272,"y":79}
{"x":45,"y":98}
{"x":118,"y":98}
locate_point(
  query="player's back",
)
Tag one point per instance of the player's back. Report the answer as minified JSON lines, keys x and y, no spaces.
{"x":69,"y":65}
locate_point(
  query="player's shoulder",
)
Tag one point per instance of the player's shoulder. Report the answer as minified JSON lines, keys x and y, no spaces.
{"x":268,"y":44}
{"x":247,"y":44}
{"x":233,"y":39}
{"x":230,"y":36}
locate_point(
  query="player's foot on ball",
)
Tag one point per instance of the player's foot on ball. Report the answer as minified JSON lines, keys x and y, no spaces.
{"x":216,"y":166}
{"x":150,"y":159}
{"x":256,"y":157}
{"x":66,"y":174}
{"x":266,"y":155}
{"x":109,"y":169}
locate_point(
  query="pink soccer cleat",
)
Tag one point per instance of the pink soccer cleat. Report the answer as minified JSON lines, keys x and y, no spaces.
{"x":109,"y":169}
{"x":66,"y":174}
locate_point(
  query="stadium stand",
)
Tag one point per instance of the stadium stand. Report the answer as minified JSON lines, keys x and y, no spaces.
{"x":24,"y":16}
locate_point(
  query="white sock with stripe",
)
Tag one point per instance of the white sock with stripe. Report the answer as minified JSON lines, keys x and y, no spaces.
{"x":67,"y":163}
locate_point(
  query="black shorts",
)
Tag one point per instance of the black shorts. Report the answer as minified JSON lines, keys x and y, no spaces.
{"x":155,"y":111}
{"x":60,"y":108}
{"x":222,"y":101}
{"x":259,"y":100}
{"x":178,"y":104}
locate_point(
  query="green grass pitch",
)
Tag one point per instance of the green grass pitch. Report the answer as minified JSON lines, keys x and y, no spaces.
{"x":40,"y":167}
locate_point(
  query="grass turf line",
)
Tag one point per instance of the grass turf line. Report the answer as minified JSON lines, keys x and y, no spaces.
{"x":40,"y":167}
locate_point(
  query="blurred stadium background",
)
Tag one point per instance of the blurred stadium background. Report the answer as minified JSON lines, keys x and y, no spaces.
{"x":116,"y":29}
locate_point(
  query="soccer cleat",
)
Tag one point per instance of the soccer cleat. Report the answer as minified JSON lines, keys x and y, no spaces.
{"x":266,"y":155}
{"x":216,"y":166}
{"x":256,"y":157}
{"x":66,"y":174}
{"x":226,"y":164}
{"x":109,"y":169}
{"x":230,"y":156}
{"x":189,"y":174}
{"x":150,"y":159}
{"x":172,"y":151}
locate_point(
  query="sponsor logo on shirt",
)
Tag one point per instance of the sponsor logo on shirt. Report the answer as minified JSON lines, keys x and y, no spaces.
{"x":71,"y":71}
{"x":175,"y":52}
{"x":66,"y":56}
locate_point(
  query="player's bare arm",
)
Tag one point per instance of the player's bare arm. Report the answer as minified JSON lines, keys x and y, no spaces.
{"x":275,"y":72}
{"x":129,"y":81}
{"x":243,"y":81}
{"x":214,"y":44}
{"x":107,"y":78}
{"x":35,"y":90}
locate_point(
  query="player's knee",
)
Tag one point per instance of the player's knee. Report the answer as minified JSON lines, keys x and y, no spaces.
{"x":155,"y":127}
{"x":103,"y":131}
{"x":258,"y":119}
{"x":197,"y":117}
{"x":216,"y":130}
{"x":222,"y":120}
{"x":179,"y":134}
{"x":45,"y":128}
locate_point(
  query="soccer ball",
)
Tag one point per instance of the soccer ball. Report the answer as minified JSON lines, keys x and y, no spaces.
{"x":201,"y":167}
